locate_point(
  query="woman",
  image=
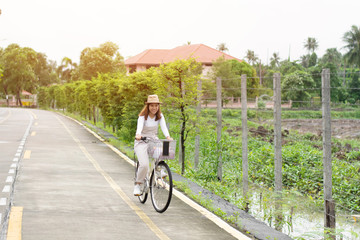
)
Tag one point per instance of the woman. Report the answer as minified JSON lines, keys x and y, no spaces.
{"x":148,"y":123}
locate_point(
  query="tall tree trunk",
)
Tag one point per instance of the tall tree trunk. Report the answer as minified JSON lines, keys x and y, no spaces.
{"x":182,"y":139}
{"x":94,"y":114}
{"x":18,"y":99}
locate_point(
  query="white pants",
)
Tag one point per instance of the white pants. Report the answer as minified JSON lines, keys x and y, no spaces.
{"x":141,"y":150}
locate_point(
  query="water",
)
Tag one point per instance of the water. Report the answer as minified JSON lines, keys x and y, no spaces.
{"x":302,"y":219}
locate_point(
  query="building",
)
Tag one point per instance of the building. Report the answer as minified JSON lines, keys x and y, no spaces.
{"x":154,"y":57}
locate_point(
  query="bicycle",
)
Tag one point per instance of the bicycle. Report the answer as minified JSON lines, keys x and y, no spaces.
{"x":159,"y":178}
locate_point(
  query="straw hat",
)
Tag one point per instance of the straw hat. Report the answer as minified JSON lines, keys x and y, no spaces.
{"x":153,"y":99}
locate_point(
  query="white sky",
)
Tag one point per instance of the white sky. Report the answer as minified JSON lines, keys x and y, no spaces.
{"x":66,"y":27}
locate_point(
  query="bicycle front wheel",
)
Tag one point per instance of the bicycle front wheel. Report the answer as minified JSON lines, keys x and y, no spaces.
{"x":161,"y":186}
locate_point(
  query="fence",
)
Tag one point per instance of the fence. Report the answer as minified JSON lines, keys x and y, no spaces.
{"x":276,"y":104}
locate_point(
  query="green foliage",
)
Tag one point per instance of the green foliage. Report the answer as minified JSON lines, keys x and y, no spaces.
{"x":19,"y":69}
{"x":352,"y":40}
{"x":354,"y":85}
{"x":295,"y":86}
{"x":102,"y":59}
{"x":132,"y":95}
{"x":176,"y":84}
{"x":332,"y":56}
{"x":230,"y":72}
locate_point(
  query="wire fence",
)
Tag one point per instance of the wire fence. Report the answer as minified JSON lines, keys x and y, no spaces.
{"x":314,"y":101}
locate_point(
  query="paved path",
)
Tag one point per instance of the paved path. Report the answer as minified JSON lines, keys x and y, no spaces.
{"x":70,"y":185}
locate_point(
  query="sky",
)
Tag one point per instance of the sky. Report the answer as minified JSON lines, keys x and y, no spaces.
{"x":64,"y":28}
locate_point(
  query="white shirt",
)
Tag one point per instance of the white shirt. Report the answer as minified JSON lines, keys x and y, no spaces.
{"x":150,"y":122}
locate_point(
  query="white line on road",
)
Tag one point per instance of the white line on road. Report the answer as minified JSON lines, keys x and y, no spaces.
{"x":6,"y":188}
{"x":13,"y":165}
{"x":2,"y":201}
{"x":16,"y":159}
{"x":11,"y":171}
{"x":9,"y":179}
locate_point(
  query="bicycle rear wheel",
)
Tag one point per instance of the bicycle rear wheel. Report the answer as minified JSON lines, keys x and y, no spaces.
{"x":144,"y":195}
{"x":161,"y":186}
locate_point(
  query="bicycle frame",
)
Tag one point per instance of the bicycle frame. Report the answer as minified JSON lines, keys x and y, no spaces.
{"x":158,"y":179}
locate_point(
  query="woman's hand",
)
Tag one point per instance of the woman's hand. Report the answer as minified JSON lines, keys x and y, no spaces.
{"x":169,"y":138}
{"x":138,"y":137}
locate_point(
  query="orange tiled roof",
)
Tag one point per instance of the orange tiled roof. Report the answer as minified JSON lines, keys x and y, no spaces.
{"x":200,"y":52}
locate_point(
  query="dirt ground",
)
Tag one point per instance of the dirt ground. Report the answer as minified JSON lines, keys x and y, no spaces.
{"x":340,"y":128}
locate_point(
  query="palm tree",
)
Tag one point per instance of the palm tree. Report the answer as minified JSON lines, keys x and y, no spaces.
{"x":332,"y":55}
{"x":352,"y":40}
{"x":275,"y":60}
{"x":66,"y":68}
{"x":222,"y":47}
{"x":251,"y":57}
{"x":311,"y":44}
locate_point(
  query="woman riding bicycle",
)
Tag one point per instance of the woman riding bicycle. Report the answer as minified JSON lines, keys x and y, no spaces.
{"x":147,"y":126}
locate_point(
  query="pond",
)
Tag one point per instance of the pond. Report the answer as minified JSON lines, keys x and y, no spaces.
{"x":301,"y":218}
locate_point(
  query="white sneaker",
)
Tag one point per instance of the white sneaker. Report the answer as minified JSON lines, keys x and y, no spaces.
{"x":137,"y":190}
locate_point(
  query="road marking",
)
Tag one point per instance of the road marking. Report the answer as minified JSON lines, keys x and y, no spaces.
{"x":33,"y":133}
{"x":27,"y":154}
{"x":15,"y":222}
{"x":11,"y":171}
{"x":6,"y":188}
{"x":16,"y":159}
{"x":2,"y":201}
{"x":34,"y":115}
{"x":9,"y":179}
{"x":13,"y":165}
{"x":7,"y":116}
{"x":145,"y":218}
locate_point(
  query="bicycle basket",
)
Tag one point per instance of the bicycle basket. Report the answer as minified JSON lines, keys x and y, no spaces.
{"x":163,"y":149}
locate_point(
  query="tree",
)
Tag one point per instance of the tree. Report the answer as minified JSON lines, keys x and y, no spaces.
{"x":251,"y":57}
{"x":230,"y":72}
{"x":332,"y":55}
{"x":312,"y":60}
{"x":354,"y":85}
{"x":275,"y":61}
{"x":45,"y":71}
{"x":177,"y":86}
{"x":66,"y":69}
{"x":294,"y":87}
{"x":103,"y":59}
{"x":311,"y":44}
{"x":222,"y":47}
{"x":19,"y":70}
{"x":352,"y":40}
{"x":305,"y":60}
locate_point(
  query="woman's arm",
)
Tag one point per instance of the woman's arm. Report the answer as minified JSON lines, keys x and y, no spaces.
{"x":164,"y":128}
{"x":140,"y":126}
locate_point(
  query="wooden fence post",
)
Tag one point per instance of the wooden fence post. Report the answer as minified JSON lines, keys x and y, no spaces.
{"x":278,"y":153}
{"x":277,"y":132}
{"x":245,"y":177}
{"x":329,"y":205}
{"x":197,"y":137}
{"x":219,"y":127}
